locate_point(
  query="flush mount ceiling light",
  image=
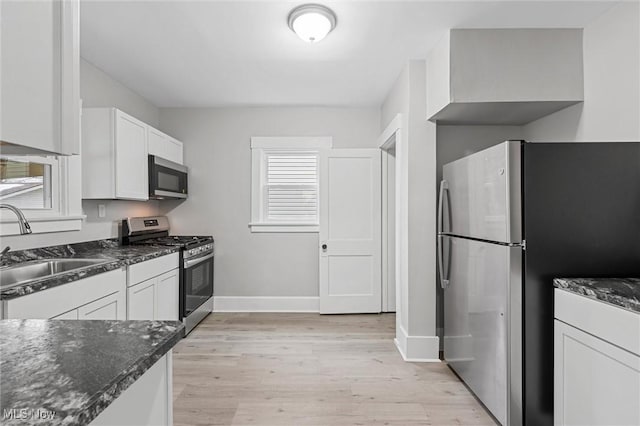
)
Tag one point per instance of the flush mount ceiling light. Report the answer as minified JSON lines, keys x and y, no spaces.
{"x":312,"y":22}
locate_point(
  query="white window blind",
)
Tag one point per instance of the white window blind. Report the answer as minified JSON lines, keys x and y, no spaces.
{"x":291,"y":187}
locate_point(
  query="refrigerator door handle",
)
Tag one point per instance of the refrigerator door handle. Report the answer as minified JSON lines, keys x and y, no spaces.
{"x":444,"y":281}
{"x":444,"y":187}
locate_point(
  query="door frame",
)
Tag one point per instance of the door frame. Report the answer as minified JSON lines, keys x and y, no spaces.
{"x":392,"y":137}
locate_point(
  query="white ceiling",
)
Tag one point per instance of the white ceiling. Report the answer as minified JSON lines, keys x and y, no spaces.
{"x":235,"y":53}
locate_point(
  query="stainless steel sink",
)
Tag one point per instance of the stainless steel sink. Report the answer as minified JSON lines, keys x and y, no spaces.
{"x":11,"y":276}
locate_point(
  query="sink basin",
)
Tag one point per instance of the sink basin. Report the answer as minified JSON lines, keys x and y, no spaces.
{"x":13,"y":275}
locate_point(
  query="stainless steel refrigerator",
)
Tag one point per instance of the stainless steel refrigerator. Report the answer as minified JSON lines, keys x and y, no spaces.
{"x":511,"y":218}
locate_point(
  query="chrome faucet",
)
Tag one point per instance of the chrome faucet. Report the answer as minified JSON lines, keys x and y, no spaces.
{"x":25,"y":228}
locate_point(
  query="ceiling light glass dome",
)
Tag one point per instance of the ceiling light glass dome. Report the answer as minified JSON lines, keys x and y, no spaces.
{"x":312,"y":22}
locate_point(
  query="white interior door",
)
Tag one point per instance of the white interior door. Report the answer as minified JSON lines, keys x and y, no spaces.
{"x":350,"y":231}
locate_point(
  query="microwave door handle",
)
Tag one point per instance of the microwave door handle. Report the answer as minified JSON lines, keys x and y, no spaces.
{"x":192,"y":262}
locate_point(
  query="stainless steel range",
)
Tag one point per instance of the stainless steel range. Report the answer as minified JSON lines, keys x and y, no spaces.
{"x":196,"y":263}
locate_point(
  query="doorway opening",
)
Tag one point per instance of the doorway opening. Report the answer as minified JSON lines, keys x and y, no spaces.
{"x":389,"y":224}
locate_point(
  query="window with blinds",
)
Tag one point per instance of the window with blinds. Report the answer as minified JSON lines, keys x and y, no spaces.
{"x":291,"y":187}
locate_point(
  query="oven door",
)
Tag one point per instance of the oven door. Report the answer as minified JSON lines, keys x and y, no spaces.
{"x":167,"y":180}
{"x":197,"y":283}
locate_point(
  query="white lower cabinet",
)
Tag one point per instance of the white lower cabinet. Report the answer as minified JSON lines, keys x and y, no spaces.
{"x":71,"y":315}
{"x":596,"y":382}
{"x":167,"y":297}
{"x":141,"y":298}
{"x":101,"y":309}
{"x":153,"y":289}
{"x":148,"y":401}
{"x":149,"y":293}
{"x":101,"y":296}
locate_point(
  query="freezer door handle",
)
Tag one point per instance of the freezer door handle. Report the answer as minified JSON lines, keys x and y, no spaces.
{"x":444,"y":188}
{"x":444,"y":281}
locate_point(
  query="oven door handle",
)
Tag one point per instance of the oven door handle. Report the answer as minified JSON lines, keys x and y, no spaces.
{"x":191,"y":262}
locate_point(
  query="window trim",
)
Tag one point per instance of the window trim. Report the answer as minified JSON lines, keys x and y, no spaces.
{"x":260,"y":146}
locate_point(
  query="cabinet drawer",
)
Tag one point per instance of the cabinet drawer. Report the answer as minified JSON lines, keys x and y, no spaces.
{"x":610,"y":323}
{"x":62,"y":299}
{"x":152,"y":268}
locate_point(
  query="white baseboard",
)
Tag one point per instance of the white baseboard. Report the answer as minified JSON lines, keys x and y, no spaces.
{"x":265,"y":304}
{"x":417,"y":348}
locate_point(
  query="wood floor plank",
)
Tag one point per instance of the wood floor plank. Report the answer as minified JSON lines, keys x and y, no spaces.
{"x":310,"y":369}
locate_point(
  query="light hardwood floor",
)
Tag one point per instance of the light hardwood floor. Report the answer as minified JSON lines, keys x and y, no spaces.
{"x":310,"y":369}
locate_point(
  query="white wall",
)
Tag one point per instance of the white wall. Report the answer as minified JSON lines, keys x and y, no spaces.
{"x":611,"y":108}
{"x":99,"y":89}
{"x":416,"y":154}
{"x":217,"y":151}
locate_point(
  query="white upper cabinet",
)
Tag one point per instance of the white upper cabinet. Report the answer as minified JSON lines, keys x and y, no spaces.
{"x":115,"y":152}
{"x":131,"y":157}
{"x":503,"y":76}
{"x":114,"y":155}
{"x":40,"y":107}
{"x":164,"y":146}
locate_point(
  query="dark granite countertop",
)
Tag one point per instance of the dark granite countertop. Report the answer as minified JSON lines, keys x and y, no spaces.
{"x":622,"y":292}
{"x":115,"y":257}
{"x":75,"y":368}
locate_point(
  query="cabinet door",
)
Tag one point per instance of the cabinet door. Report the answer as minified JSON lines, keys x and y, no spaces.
{"x":167,"y":296}
{"x":141,"y":300}
{"x":595,"y":382}
{"x":101,"y":309}
{"x":174,"y":151}
{"x":164,"y":146}
{"x":39,"y":75}
{"x":71,"y":315}
{"x":157,"y":143}
{"x":131,"y":158}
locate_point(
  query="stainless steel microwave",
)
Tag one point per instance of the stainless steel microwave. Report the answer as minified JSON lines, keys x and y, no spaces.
{"x":167,"y":180}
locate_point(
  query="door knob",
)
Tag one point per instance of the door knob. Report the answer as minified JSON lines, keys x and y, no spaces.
{"x":324,"y":247}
